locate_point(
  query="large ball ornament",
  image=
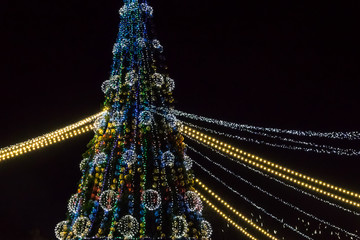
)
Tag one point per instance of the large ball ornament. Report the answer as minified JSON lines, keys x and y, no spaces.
{"x":100,"y":122}
{"x":151,"y":199}
{"x":171,"y":120}
{"x":170,"y":83}
{"x":129,"y":157}
{"x":81,"y":227}
{"x":168,"y":158}
{"x":156,"y":44}
{"x":131,"y":78}
{"x":188,"y":162}
{"x":158,"y":79}
{"x":205,"y":229}
{"x":61,"y":230}
{"x":83,"y":164}
{"x":128,"y":226}
{"x":141,"y":42}
{"x":74,"y":203}
{"x":147,"y":9}
{"x":108,"y":199}
{"x":145,"y":118}
{"x":193,"y":201}
{"x":100,"y":158}
{"x":179,"y":227}
{"x":117,"y":118}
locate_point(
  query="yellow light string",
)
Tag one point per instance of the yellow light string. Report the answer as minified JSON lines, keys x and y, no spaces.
{"x":227,"y":205}
{"x":237,"y":153}
{"x":222,"y":214}
{"x":41,"y":142}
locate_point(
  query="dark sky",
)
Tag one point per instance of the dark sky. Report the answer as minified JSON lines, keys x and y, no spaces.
{"x":279,"y":64}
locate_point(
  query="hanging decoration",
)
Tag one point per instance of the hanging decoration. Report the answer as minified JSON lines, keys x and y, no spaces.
{"x":168,"y":158}
{"x":117,"y":118}
{"x":100,"y":158}
{"x":193,"y":201}
{"x":179,"y":227}
{"x":131,"y":78}
{"x":100,"y":122}
{"x":170,"y":83}
{"x":73,"y":203}
{"x":206,"y":229}
{"x":108,"y":199}
{"x":129,"y":157}
{"x":146,"y":118}
{"x":151,"y":199}
{"x":147,"y":9}
{"x":156,"y":44}
{"x":61,"y":230}
{"x":83,"y":164}
{"x":188,"y":162}
{"x":81,"y":227}
{"x":158,"y":79}
{"x":128,"y":226}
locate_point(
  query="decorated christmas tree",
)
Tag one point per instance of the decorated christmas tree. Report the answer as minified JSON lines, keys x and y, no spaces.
{"x":137,"y":181}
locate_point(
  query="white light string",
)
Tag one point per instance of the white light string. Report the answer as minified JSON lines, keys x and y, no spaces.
{"x":353,"y":135}
{"x":323,"y":148}
{"x":273,"y":196}
{"x":277,"y":180}
{"x":252,"y":203}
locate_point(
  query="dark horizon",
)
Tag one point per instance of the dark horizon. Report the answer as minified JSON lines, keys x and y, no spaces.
{"x":284,"y":64}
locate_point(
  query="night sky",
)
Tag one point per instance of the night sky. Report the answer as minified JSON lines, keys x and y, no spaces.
{"x":284,"y":64}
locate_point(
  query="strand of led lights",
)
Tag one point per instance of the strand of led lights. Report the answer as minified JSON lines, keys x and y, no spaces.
{"x":281,"y":221}
{"x":222,"y":214}
{"x":353,"y":135}
{"x":277,"y":180}
{"x":241,"y":155}
{"x":48,"y":139}
{"x":273,"y":196}
{"x":315,"y":147}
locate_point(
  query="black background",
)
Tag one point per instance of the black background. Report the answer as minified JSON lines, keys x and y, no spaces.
{"x":279,"y":64}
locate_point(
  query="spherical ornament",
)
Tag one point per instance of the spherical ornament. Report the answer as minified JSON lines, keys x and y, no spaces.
{"x":158,"y":79}
{"x":170,"y":83}
{"x":61,"y":230}
{"x":81,"y":227}
{"x":117,"y":118}
{"x":188,"y":162}
{"x":100,"y":122}
{"x":151,"y":199}
{"x":74,"y":203}
{"x":115,"y":48}
{"x":146,"y":118}
{"x":205,"y":229}
{"x":108,"y":85}
{"x":168,"y":158}
{"x":193,"y":201}
{"x":131,"y":78}
{"x":100,"y":158}
{"x":171,"y":120}
{"x":179,"y":227}
{"x":83,"y":164}
{"x":141,"y":42}
{"x":147,"y":9}
{"x":124,"y":43}
{"x":108,"y":199}
{"x":129,"y":157}
{"x":156,"y":44}
{"x":128,"y":226}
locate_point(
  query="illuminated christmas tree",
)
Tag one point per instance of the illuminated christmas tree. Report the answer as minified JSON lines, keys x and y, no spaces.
{"x":137,"y":181}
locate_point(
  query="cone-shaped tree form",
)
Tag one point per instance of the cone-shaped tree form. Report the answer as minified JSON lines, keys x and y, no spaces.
{"x":137,"y":181}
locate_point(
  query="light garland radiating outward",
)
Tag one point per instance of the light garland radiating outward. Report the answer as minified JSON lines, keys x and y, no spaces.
{"x":227,"y":205}
{"x":271,"y":195}
{"x":353,"y":135}
{"x":258,"y":162}
{"x":309,"y":146}
{"x":49,"y":138}
{"x":222,"y":214}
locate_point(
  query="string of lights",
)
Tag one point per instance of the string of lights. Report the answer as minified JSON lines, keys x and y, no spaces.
{"x":281,"y":221}
{"x":314,"y":147}
{"x":258,"y":162}
{"x":277,"y":180}
{"x":352,"y":135}
{"x":273,"y":196}
{"x":222,"y":214}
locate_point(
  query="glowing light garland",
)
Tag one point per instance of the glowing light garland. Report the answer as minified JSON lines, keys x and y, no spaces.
{"x":241,"y":155}
{"x":316,"y":147}
{"x":353,"y":135}
{"x":222,"y":214}
{"x":247,"y":200}
{"x":271,"y":195}
{"x":48,"y":139}
{"x":277,"y":180}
